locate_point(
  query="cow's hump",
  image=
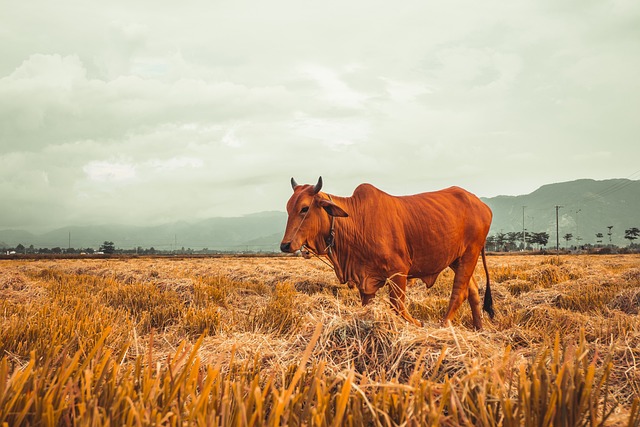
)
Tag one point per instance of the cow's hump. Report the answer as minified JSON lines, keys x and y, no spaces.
{"x":366,"y":189}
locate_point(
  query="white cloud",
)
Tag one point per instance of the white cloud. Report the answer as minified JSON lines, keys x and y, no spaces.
{"x":104,"y":171}
{"x":50,"y":100}
{"x":404,"y":91}
{"x":175,"y":163}
{"x":208,"y":110}
{"x":333,"y":88}
{"x":333,"y":132}
{"x":230,"y":138}
{"x":130,"y":31}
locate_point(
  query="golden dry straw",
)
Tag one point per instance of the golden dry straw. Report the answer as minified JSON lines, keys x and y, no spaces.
{"x":276,"y":341}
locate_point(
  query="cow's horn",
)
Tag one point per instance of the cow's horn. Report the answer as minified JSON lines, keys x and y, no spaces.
{"x":294,"y":184}
{"x":318,"y":186}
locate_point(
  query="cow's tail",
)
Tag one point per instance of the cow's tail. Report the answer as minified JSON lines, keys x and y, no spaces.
{"x":487,"y":304}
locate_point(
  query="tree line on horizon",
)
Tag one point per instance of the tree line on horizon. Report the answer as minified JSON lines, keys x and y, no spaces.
{"x":499,"y":242}
{"x":513,"y":240}
{"x":109,"y":248}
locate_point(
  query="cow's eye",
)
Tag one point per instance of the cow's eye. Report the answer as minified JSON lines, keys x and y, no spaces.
{"x":304,"y":210}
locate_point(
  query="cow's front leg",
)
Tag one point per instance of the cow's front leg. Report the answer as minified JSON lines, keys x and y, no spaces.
{"x":397,"y":294}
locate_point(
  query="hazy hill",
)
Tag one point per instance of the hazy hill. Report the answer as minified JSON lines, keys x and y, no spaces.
{"x":11,"y":238}
{"x":588,"y":207}
{"x":256,"y":232}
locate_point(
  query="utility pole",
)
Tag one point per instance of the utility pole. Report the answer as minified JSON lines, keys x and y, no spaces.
{"x":524,"y":236}
{"x":557,"y":231}
{"x":578,"y":228}
{"x":69,"y":247}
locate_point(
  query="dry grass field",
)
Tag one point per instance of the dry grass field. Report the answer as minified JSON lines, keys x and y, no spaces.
{"x":277,"y":341}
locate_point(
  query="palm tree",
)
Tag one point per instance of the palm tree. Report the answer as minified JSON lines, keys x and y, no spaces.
{"x":567,"y":237}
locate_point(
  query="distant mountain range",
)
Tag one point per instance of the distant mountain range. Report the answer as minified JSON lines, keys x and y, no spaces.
{"x":255,"y":232}
{"x":587,"y":207}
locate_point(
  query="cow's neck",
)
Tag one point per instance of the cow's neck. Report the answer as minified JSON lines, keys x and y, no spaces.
{"x":345,"y":236}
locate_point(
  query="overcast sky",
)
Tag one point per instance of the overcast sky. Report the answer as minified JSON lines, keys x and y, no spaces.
{"x":153,"y":111}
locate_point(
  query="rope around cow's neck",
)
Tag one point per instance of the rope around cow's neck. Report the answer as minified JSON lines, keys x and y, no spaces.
{"x":305,"y":247}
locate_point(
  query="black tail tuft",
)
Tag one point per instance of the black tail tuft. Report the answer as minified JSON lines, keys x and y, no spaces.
{"x":487,"y":304}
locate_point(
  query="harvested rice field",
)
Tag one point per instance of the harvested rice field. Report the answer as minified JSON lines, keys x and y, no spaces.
{"x":277,"y":341}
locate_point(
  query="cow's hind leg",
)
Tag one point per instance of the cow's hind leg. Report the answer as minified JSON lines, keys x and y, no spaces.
{"x":397,"y":294}
{"x":465,"y":286}
{"x":474,"y":302}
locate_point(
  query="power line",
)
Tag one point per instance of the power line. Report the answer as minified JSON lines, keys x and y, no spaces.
{"x":611,"y":189}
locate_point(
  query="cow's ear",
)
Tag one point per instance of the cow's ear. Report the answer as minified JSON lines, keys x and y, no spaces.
{"x":332,"y":209}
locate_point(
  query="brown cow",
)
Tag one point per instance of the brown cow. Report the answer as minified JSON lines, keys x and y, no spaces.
{"x":373,"y":238}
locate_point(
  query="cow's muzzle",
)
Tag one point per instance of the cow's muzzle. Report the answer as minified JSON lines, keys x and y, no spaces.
{"x":285,"y":247}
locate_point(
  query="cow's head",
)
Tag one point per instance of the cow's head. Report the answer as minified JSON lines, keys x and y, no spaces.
{"x":309,"y":222}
